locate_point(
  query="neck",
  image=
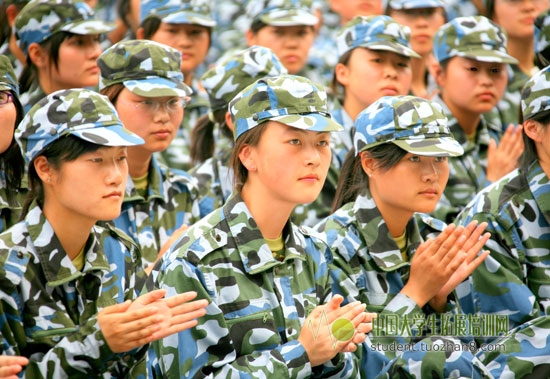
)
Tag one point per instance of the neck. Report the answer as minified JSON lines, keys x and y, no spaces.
{"x":188,"y":78}
{"x":270,"y":216}
{"x":468,"y":121}
{"x":71,"y":231}
{"x":353,"y":107}
{"x":418,"y":84}
{"x":396,"y":219}
{"x":523,"y":49}
{"x":138,"y":162}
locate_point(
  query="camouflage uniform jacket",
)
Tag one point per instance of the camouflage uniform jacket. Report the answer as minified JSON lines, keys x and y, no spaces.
{"x":178,"y":154}
{"x":10,"y":209}
{"x":16,"y":63}
{"x":172,"y":200}
{"x":48,"y":309}
{"x":341,"y":142}
{"x":258,"y":304}
{"x":513,"y":279}
{"x":215,"y":181}
{"x":32,"y":96}
{"x":467,"y":173}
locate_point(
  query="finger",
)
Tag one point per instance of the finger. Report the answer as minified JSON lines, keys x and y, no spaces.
{"x":179,"y":299}
{"x":116,"y":308}
{"x":151,"y":297}
{"x":162,"y":333}
{"x":180,"y":315}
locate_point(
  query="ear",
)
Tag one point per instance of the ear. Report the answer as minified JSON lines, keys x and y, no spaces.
{"x":341,"y":72}
{"x":532,"y":129}
{"x":228,"y":121}
{"x":367,"y":163}
{"x":43,"y":169}
{"x":436,"y":71}
{"x":38,"y":56}
{"x":250,"y":37}
{"x":247,"y":157}
{"x":140,"y":33}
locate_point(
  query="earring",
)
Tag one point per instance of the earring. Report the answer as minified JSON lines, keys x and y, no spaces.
{"x":49,"y":180}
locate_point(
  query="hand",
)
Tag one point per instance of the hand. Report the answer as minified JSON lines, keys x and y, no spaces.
{"x":318,"y":341}
{"x":129,"y":325}
{"x":503,"y":158}
{"x":433,"y":264}
{"x":11,"y":365}
{"x":474,"y":243}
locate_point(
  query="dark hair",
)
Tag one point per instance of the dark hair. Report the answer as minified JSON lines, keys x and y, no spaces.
{"x":202,"y":135}
{"x":337,"y":89}
{"x":65,"y":149}
{"x":353,"y":180}
{"x":529,"y":154}
{"x":12,"y":162}
{"x":489,"y":9}
{"x":112,"y":91}
{"x":123,"y":10}
{"x":249,"y":138}
{"x":51,"y":45}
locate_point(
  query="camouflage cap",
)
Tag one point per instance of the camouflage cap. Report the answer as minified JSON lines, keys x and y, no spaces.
{"x":473,"y":37}
{"x":282,"y":12}
{"x":145,"y":67}
{"x":415,"y":124}
{"x":375,"y":33}
{"x":83,"y":113}
{"x":535,"y":94}
{"x":196,"y":12}
{"x":8,"y":79}
{"x":542,"y":31}
{"x":290,"y":99}
{"x":40,"y":19}
{"x":232,"y":74}
{"x":415,"y":4}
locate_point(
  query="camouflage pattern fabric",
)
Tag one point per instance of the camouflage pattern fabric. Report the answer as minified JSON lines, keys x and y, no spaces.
{"x":48,"y":308}
{"x":376,"y":33}
{"x":341,"y":143}
{"x":16,"y":63}
{"x":33,"y":95}
{"x":83,"y":113}
{"x":40,"y":19}
{"x":415,"y":4}
{"x":542,"y":31}
{"x":231,"y":75}
{"x":196,"y":12}
{"x":467,"y":173}
{"x":275,"y":99}
{"x":534,"y":96}
{"x":474,"y":37}
{"x":258,"y":304}
{"x":171,"y":201}
{"x":282,"y":12}
{"x":8,"y":79}
{"x":415,"y":124}
{"x":145,"y":67}
{"x":513,"y":279}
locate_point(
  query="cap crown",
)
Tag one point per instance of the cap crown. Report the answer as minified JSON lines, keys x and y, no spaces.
{"x":8,"y":79}
{"x":74,"y":111}
{"x":535,"y":95}
{"x":232,"y":74}
{"x":178,"y":11}
{"x":407,"y":118}
{"x":376,"y":32}
{"x":415,"y":4}
{"x":143,"y":63}
{"x":40,"y":19}
{"x":474,"y":37}
{"x":283,"y":95}
{"x":542,"y":31}
{"x":282,"y":12}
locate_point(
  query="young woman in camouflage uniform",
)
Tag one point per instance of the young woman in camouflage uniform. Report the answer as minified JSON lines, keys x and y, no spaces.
{"x":61,"y":40}
{"x":143,"y":80}
{"x":267,"y":280}
{"x":387,"y":254}
{"x":185,"y":25}
{"x":514,"y":279}
{"x":12,"y":164}
{"x":69,"y":288}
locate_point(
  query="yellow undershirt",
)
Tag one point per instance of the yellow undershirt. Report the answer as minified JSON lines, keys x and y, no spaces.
{"x":401,"y":242}
{"x":78,"y":261}
{"x":141,"y":184}
{"x":277,"y":247}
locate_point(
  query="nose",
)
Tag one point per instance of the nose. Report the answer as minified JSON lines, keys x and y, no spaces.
{"x":429,"y":171}
{"x":312,"y":156}
{"x":390,"y":70}
{"x":117,"y":171}
{"x":161,"y":113}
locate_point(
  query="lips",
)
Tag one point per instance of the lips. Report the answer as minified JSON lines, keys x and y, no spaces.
{"x":114,"y":194}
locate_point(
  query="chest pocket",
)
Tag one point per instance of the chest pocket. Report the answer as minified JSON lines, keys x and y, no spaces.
{"x":253,"y":332}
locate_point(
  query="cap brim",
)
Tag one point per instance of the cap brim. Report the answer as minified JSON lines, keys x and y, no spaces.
{"x":108,"y":135}
{"x":87,"y":27}
{"x":289,"y":18}
{"x":157,"y":87}
{"x":393,"y":47}
{"x":5,"y":87}
{"x":188,"y":18}
{"x":435,"y":147}
{"x":491,"y":56}
{"x":316,"y":122}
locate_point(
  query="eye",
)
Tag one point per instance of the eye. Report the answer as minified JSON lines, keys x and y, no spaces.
{"x":440,"y":159}
{"x":414,"y":158}
{"x":496,"y":70}
{"x":294,"y":141}
{"x":324,"y":143}
{"x":473,"y":69}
